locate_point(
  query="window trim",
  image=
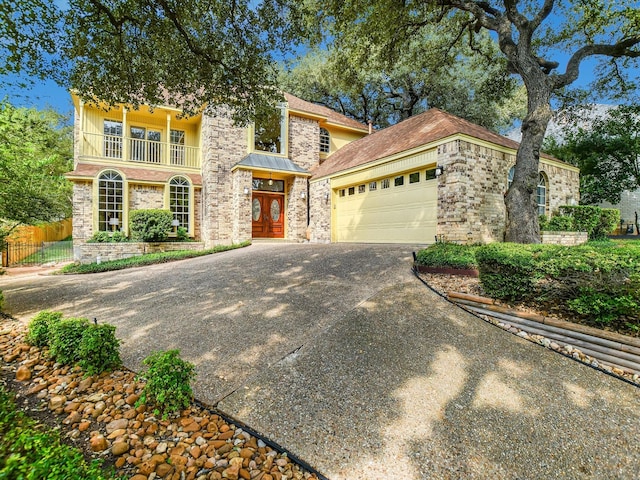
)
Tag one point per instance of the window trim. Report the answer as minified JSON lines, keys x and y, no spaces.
{"x":124,"y":212}
{"x":190,"y":201}
{"x":325,"y":141}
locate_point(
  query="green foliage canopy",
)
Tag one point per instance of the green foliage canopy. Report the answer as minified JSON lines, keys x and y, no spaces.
{"x":607,"y":153}
{"x":35,"y":152}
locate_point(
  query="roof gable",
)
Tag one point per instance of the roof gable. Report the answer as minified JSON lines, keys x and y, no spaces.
{"x":332,"y":116}
{"x":428,"y":127}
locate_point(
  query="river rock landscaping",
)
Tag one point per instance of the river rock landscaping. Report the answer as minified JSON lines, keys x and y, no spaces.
{"x":102,"y":416}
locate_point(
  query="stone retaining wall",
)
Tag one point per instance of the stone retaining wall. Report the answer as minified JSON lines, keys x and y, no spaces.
{"x":564,"y":238}
{"x":89,"y":252}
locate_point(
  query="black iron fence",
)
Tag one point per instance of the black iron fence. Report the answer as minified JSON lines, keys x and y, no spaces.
{"x":16,"y":254}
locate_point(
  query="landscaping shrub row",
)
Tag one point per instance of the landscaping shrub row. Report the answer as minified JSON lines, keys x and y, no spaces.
{"x":95,"y":349}
{"x":149,"y":259}
{"x":596,"y":221}
{"x":149,"y":225}
{"x":598,"y":281}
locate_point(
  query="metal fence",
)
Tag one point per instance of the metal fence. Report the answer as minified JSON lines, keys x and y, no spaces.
{"x":16,"y":254}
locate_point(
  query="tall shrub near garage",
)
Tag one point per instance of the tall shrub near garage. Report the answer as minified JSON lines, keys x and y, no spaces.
{"x":150,"y":225}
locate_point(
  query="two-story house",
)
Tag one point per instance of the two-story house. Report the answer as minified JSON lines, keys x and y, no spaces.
{"x":300,"y":172}
{"x":222,"y":182}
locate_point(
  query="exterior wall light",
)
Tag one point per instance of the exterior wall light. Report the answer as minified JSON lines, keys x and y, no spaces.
{"x":246,"y":190}
{"x":439,"y":170}
{"x":303,"y":195}
{"x":326,"y":197}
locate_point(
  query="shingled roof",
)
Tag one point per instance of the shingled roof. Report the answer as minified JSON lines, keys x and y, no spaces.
{"x":332,"y":116}
{"x":430,"y":126}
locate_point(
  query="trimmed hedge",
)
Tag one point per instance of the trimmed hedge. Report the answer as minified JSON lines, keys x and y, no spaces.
{"x":597,"y":222}
{"x":448,"y":255}
{"x":150,"y":225}
{"x":599,"y":281}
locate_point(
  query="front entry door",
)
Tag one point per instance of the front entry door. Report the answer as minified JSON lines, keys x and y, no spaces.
{"x":267,"y":211}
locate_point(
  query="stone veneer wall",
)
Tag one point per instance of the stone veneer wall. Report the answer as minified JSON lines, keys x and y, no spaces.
{"x":564,"y":238}
{"x":88,"y":252}
{"x":296,"y":209}
{"x":197,"y":213}
{"x":320,"y":218}
{"x":304,"y":142}
{"x":223,"y":145}
{"x":471,"y":192}
{"x":241,"y":207}
{"x":82,"y":211}
{"x":563,"y":187}
{"x":142,"y":197}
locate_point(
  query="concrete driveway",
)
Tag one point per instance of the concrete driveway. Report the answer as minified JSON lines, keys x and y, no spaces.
{"x":340,"y":355}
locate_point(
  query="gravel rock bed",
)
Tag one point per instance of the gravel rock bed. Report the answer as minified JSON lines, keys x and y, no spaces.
{"x":99,"y":415}
{"x":443,"y":284}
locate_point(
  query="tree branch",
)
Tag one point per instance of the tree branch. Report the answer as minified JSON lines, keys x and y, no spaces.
{"x":624,"y":48}
{"x":542,"y":14}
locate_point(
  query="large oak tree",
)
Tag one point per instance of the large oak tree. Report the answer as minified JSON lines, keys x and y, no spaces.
{"x":534,"y":36}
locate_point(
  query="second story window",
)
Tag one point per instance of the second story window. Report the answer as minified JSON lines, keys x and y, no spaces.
{"x":270,"y":131}
{"x":325,"y":140}
{"x":177,"y":147}
{"x":145,"y":145}
{"x":112,"y":139}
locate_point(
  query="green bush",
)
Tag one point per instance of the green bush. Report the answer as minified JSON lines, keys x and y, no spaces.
{"x":599,"y":281}
{"x":118,"y":237}
{"x":149,"y":259}
{"x":99,"y":349}
{"x":30,"y":452}
{"x":448,"y":255}
{"x":100,"y":237}
{"x":66,"y":336}
{"x":608,"y":222}
{"x":559,"y":223}
{"x":181,"y":234}
{"x":168,"y":381}
{"x":150,"y":225}
{"x":585,"y":217}
{"x":507,"y":271}
{"x":39,"y":328}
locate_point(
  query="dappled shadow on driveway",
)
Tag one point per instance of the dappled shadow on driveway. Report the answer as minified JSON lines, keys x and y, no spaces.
{"x":408,"y":386}
{"x":232,"y":313}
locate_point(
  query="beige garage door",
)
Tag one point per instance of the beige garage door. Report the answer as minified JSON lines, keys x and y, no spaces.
{"x":398,"y":209}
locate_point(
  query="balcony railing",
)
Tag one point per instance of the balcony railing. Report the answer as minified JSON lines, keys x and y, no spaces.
{"x":140,"y":151}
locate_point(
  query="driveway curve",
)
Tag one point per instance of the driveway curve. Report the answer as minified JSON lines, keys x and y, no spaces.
{"x":340,"y":355}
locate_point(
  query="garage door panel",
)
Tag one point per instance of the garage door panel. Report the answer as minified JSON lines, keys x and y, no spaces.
{"x":404,"y":214}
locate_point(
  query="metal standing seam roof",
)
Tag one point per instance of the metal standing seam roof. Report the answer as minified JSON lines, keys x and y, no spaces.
{"x":271,"y":162}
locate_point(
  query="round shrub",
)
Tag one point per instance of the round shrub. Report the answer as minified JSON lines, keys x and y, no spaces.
{"x":65,"y":339}
{"x":39,"y":328}
{"x":150,"y":225}
{"x":99,"y":349}
{"x":168,"y":381}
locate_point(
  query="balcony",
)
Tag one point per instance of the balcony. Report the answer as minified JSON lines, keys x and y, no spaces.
{"x":136,"y":150}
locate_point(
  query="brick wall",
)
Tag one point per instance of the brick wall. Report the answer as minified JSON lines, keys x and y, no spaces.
{"x":142,"y":197}
{"x":82,"y":211}
{"x":241,"y":206}
{"x":304,"y":142}
{"x":564,"y":238}
{"x":471,"y":191}
{"x":223,"y":145}
{"x":320,"y":214}
{"x":89,"y":252}
{"x":297,"y":210}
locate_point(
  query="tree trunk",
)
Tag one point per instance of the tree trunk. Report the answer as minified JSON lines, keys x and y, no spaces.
{"x":522,"y":224}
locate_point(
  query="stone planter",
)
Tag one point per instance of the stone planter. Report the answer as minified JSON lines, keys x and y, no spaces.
{"x":89,"y":252}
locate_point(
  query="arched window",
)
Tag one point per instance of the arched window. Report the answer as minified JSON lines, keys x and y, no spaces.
{"x":541,"y":194}
{"x":179,"y":190}
{"x":110,"y":200}
{"x":325,"y":140}
{"x":512,"y":172}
